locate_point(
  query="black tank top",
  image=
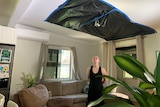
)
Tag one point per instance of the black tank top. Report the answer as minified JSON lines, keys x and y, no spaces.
{"x":95,"y":86}
{"x":94,"y":80}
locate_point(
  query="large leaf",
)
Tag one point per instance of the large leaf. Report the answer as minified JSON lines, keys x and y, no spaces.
{"x":108,"y":89}
{"x":103,"y":97}
{"x":157,"y":75}
{"x":144,"y":85}
{"x":136,"y":69}
{"x":151,"y":99}
{"x":154,"y":101}
{"x":118,"y":104}
{"x":131,"y":65}
{"x":136,"y":95}
{"x":109,"y":98}
{"x":144,"y":94}
{"x":140,"y":64}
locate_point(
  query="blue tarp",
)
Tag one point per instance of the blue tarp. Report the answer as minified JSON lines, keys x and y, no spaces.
{"x":98,"y":18}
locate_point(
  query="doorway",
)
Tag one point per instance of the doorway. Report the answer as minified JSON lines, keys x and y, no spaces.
{"x":124,"y":76}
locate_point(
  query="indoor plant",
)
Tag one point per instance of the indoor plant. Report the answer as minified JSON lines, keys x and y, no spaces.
{"x":141,"y":95}
{"x":29,"y":80}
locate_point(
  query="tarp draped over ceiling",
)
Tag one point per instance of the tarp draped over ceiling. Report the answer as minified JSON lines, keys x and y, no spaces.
{"x":98,"y":18}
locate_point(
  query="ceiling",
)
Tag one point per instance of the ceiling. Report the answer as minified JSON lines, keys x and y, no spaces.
{"x":32,"y":13}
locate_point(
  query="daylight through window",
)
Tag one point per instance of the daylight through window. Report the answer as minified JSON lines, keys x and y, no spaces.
{"x":58,"y":64}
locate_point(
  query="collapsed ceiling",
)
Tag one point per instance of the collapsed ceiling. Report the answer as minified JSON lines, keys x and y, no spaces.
{"x":98,"y":18}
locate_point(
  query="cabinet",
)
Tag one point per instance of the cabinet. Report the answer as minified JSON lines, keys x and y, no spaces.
{"x":8,"y":35}
{"x":6,"y":65}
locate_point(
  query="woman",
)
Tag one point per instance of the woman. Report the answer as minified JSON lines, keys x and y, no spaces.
{"x":96,"y":83}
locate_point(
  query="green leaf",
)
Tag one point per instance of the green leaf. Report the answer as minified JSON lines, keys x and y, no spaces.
{"x":154,"y":101}
{"x":107,"y":98}
{"x":137,"y":96}
{"x":136,"y":69}
{"x":131,"y":65}
{"x":144,"y":85}
{"x":93,"y":103}
{"x":144,"y":94}
{"x":157,"y":75}
{"x":118,"y":104}
{"x":140,"y":64}
{"x":109,"y":88}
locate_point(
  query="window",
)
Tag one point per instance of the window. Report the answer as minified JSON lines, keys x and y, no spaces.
{"x":58,"y":64}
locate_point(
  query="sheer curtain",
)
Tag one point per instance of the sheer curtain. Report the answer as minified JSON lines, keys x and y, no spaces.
{"x":108,"y":61}
{"x":42,"y":62}
{"x":42,"y":59}
{"x":75,"y":67}
{"x":109,"y":50}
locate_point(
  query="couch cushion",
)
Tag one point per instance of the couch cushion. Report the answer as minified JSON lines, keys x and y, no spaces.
{"x":69,"y":87}
{"x":78,"y":98}
{"x":34,"y":97}
{"x":81,"y":84}
{"x":80,"y":105}
{"x":54,"y":86}
{"x":60,"y":102}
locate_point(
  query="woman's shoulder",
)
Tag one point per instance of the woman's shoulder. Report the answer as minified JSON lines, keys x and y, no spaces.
{"x":89,"y":67}
{"x":103,"y":70}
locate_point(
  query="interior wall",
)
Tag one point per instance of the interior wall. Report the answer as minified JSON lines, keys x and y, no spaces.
{"x":27,"y":57}
{"x":151,"y":45}
{"x":25,"y":61}
{"x":97,"y":50}
{"x":85,"y":50}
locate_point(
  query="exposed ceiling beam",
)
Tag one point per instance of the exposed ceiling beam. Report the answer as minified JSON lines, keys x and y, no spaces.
{"x":19,"y":11}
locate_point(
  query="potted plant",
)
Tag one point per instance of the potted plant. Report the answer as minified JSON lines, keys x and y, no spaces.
{"x":29,"y":80}
{"x":140,"y":93}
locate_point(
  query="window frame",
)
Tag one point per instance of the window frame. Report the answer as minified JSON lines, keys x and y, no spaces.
{"x":71,"y":63}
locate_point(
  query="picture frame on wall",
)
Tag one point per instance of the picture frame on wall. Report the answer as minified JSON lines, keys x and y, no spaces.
{"x":5,"y":55}
{"x":4,"y":71}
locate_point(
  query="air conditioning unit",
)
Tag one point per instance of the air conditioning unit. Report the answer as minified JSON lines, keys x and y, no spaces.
{"x":32,"y":35}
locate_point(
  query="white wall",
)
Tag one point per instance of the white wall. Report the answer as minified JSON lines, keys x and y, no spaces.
{"x":84,"y":50}
{"x":151,"y":45}
{"x":25,"y":60}
{"x":27,"y":57}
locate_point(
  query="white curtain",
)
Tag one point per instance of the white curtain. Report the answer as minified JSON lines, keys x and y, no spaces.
{"x":108,"y":61}
{"x":42,"y":59}
{"x":109,"y":50}
{"x":75,"y":67}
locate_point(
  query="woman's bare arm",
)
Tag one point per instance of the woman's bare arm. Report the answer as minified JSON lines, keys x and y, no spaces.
{"x":87,"y":73}
{"x":104,"y":72}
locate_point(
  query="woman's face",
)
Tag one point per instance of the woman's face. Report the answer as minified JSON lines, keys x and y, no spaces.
{"x":95,"y":59}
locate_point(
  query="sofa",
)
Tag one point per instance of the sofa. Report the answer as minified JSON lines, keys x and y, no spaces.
{"x":53,"y":94}
{"x":36,"y":96}
{"x":67,"y":90}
